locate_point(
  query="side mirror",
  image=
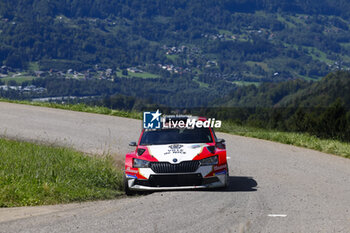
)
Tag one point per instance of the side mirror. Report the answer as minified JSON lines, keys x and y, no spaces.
{"x":132,"y":144}
{"x":220,"y":143}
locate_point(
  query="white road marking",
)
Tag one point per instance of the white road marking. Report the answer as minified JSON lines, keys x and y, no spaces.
{"x":228,"y":157}
{"x":277,"y":215}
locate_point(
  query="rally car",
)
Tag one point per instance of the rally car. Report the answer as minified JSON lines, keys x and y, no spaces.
{"x":176,"y":158}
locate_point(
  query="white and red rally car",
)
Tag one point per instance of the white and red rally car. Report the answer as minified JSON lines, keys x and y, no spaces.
{"x":176,"y":158}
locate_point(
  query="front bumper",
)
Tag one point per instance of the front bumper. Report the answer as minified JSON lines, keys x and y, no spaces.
{"x":177,"y":182}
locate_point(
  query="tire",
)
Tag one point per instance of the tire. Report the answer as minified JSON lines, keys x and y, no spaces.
{"x":227,"y":179}
{"x":127,"y":190}
{"x":223,"y":188}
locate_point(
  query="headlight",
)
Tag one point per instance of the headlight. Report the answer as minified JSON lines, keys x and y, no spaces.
{"x":139,"y":163}
{"x":213,"y":160}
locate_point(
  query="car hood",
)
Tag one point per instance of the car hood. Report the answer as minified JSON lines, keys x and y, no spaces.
{"x":175,"y":153}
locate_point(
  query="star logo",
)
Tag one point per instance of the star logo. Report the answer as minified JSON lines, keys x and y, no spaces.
{"x":155,"y":115}
{"x":151,"y":120}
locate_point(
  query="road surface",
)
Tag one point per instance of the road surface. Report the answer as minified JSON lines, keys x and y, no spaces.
{"x":273,"y":187}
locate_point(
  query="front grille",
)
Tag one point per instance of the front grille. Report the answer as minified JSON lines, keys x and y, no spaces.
{"x":183,"y":167}
{"x":175,"y":180}
{"x":179,"y":180}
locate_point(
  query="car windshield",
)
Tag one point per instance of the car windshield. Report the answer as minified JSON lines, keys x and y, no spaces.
{"x":172,"y":136}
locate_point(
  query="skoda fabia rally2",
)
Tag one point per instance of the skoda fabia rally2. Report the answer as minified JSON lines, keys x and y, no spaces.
{"x":176,"y":158}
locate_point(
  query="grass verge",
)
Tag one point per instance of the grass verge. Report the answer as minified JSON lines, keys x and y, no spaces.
{"x":33,"y":174}
{"x":297,"y":139}
{"x":80,"y":108}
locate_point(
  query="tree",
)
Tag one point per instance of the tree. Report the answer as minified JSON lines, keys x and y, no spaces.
{"x":14,"y":61}
{"x":332,"y":121}
{"x":125,"y":72}
{"x":12,"y":83}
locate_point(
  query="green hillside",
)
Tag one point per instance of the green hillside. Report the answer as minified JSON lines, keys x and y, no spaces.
{"x":319,"y":108}
{"x":293,"y":93}
{"x":333,"y":86}
{"x":234,"y":41}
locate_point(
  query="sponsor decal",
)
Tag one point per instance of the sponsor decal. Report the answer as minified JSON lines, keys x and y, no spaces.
{"x":183,"y":152}
{"x":220,"y":173}
{"x":217,"y":168}
{"x":175,"y":149}
{"x":190,"y":123}
{"x":132,"y":171}
{"x":153,"y":120}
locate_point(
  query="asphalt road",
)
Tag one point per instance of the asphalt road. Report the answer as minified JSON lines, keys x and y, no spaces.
{"x":273,"y":187}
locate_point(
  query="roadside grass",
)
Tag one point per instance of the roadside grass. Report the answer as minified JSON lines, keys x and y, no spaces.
{"x":33,"y":174}
{"x":80,"y":108}
{"x":297,"y":139}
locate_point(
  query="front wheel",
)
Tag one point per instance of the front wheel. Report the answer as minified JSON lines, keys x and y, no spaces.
{"x":226,"y":182}
{"x":227,"y":179}
{"x":127,"y":190}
